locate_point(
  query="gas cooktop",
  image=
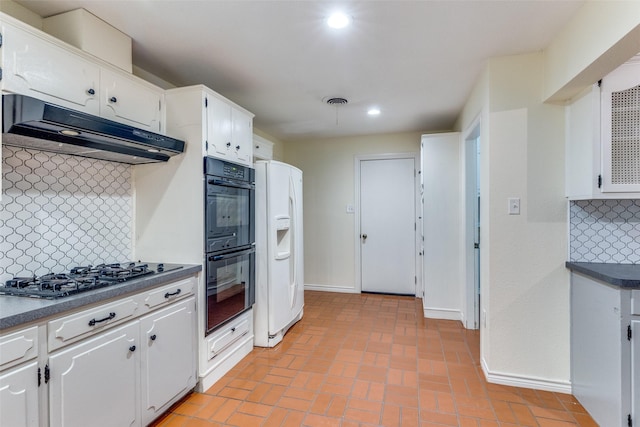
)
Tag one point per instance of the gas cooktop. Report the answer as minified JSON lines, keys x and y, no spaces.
{"x":78,"y":279}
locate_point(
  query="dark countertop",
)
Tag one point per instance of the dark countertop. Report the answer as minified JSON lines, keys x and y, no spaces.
{"x":18,"y":310}
{"x":621,"y":275}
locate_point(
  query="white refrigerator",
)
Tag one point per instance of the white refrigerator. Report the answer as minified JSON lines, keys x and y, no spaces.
{"x":279,"y":251}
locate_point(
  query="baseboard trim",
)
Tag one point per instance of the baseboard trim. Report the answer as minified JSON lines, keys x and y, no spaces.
{"x":442,"y":313}
{"x":326,"y":288}
{"x":525,"y":382}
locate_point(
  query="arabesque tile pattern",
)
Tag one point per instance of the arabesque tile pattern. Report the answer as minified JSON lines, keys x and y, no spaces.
{"x":370,"y":360}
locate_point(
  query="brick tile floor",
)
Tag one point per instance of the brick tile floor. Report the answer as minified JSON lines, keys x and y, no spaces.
{"x":370,"y":360}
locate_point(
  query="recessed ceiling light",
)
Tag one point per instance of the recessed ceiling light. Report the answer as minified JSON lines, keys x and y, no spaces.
{"x":338,"y":20}
{"x":373,"y":111}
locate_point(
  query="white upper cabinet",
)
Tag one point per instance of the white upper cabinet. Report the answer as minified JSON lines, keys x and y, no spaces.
{"x":621,"y":128}
{"x":262,"y":148}
{"x":38,"y":65}
{"x":603,"y":138}
{"x":224,"y":129}
{"x":32,"y":65}
{"x":129,"y":101}
{"x":219,"y":127}
{"x":242,"y":136}
{"x":229,"y":131}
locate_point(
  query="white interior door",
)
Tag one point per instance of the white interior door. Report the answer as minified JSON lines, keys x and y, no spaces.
{"x":387,"y":225}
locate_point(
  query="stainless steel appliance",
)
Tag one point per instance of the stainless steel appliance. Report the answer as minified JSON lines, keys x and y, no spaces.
{"x":80,"y":279}
{"x":229,"y":240}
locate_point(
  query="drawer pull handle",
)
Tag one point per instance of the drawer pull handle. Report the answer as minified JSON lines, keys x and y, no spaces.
{"x":233,"y":329}
{"x":113,"y":99}
{"x":91,"y":91}
{"x":132,"y":348}
{"x":153,"y":337}
{"x":93,"y":322}
{"x":167,"y":295}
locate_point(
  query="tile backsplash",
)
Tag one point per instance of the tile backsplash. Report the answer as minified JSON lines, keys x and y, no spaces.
{"x":59,"y":212}
{"x":604,"y":231}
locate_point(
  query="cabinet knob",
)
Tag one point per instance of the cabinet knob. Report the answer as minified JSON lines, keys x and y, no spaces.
{"x":132,"y":348}
{"x":153,"y":337}
{"x":90,"y":91}
{"x":113,"y":99}
{"x":228,"y":144}
{"x":237,"y":147}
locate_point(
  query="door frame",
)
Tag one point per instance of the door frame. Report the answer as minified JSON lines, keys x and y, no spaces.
{"x":356,"y":238}
{"x":471,"y":269}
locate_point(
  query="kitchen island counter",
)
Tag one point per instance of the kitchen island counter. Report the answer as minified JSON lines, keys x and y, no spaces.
{"x":621,"y":275}
{"x":18,"y":310}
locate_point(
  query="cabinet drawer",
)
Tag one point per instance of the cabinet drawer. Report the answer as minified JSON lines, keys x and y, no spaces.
{"x":18,"y":347}
{"x":226,"y":336}
{"x":68,"y":329}
{"x":170,"y":293}
{"x":635,"y":302}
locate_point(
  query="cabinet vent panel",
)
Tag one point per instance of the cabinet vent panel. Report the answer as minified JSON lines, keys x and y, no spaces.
{"x":625,"y":136}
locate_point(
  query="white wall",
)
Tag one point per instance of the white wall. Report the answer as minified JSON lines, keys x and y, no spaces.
{"x":20,"y":12}
{"x":329,"y":185}
{"x":442,"y":218}
{"x":524,"y":284}
{"x":528,"y":282}
{"x":601,"y":36}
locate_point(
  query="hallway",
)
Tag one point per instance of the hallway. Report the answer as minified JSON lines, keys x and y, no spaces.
{"x":370,"y":360}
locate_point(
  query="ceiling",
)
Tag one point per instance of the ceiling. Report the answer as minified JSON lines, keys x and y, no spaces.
{"x":415,"y":60}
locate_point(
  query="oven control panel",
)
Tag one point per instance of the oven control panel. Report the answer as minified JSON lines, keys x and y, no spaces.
{"x":233,"y":171}
{"x":222,"y":169}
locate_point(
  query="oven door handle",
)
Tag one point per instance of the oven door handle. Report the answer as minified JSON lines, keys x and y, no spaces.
{"x":231,"y":183}
{"x":231,"y":254}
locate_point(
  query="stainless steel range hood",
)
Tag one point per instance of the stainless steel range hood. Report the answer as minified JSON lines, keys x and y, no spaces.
{"x":31,"y":123}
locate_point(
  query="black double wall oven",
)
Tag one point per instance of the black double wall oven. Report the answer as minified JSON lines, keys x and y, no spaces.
{"x":229,"y":240}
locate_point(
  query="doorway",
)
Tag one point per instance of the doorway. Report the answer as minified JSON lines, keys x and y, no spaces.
{"x":386,"y":224}
{"x":471,"y":302}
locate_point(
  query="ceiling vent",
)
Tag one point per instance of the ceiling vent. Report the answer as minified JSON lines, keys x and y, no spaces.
{"x":337,"y":101}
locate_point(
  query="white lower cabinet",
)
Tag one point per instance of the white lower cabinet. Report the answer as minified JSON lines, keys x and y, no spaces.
{"x":19,"y":396}
{"x":605,"y":351}
{"x":167,"y":341}
{"x":19,"y":378}
{"x":95,"y":383}
{"x":224,"y":348}
{"x":122,"y":363}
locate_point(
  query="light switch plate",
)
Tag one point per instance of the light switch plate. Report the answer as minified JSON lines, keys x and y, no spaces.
{"x":514,"y":205}
{"x":350,"y":209}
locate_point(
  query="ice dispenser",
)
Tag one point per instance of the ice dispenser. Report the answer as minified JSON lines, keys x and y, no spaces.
{"x":283,"y":237}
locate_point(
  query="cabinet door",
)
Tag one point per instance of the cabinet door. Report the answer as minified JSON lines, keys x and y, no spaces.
{"x":620,"y":129}
{"x":262,"y":148}
{"x":242,"y":134}
{"x":635,"y":371}
{"x":218,"y":128}
{"x":126,"y":100}
{"x":168,"y":356}
{"x":19,"y":396}
{"x":95,"y":383}
{"x":39,"y":68}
